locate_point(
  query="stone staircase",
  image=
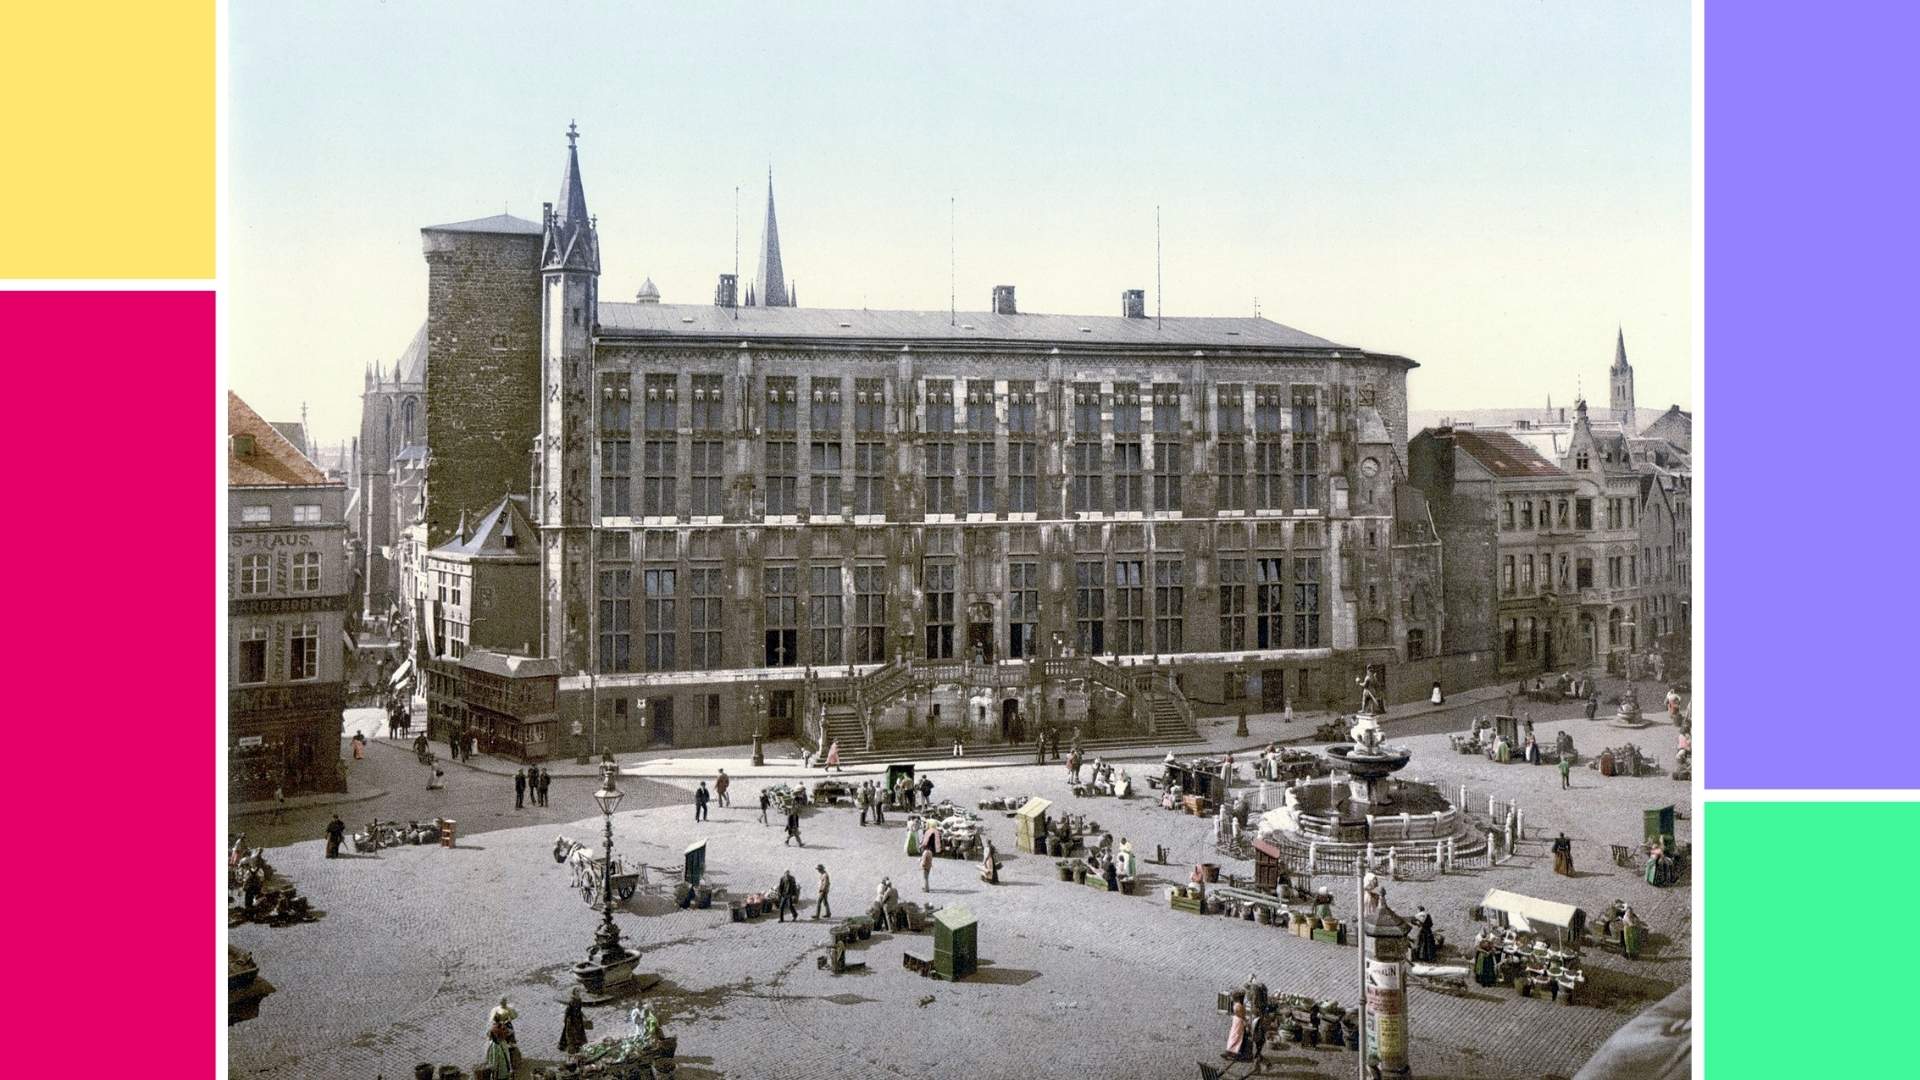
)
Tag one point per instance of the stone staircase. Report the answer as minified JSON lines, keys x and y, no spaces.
{"x":843,"y":726}
{"x":1090,"y":748}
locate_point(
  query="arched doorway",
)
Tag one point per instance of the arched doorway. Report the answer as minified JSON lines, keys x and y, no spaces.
{"x":1589,"y":639}
{"x":1010,"y":720}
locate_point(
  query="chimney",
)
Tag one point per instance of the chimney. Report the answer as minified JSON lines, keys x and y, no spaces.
{"x":1133,"y":303}
{"x":727,"y":293}
{"x":1003,"y":300}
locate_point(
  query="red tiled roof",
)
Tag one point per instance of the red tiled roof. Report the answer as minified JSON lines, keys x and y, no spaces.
{"x":1504,"y":455}
{"x":273,"y":460}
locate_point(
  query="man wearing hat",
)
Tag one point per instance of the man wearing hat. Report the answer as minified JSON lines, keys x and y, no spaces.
{"x":820,"y":906}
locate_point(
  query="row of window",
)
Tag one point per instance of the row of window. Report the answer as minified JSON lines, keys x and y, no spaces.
{"x":262,"y":514}
{"x":826,"y":398}
{"x":1111,"y":611}
{"x":302,"y":661}
{"x":1276,"y":483}
{"x":255,"y":574}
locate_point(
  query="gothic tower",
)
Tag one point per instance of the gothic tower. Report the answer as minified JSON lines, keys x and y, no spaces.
{"x":1621,"y":378}
{"x":771,"y":290}
{"x":570,"y":285}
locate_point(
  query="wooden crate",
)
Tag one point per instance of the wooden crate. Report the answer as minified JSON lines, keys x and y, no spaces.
{"x":1331,"y":937}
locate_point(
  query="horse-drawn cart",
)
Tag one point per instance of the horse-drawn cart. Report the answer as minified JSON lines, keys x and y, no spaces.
{"x":590,"y":874}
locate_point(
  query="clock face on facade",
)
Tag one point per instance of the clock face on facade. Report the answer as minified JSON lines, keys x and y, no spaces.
{"x":1370,"y":468}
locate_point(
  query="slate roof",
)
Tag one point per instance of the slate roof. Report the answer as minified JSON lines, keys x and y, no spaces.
{"x":1503,"y":455}
{"x":274,"y":459}
{"x":487,"y":538}
{"x":858,"y":324}
{"x":295,"y":433}
{"x":509,"y":664}
{"x":498,"y":223}
{"x":413,"y":362}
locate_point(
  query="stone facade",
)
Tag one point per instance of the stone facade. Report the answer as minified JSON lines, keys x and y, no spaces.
{"x":767,"y":499}
{"x":483,"y":369}
{"x":289,"y":585}
{"x":393,"y":420}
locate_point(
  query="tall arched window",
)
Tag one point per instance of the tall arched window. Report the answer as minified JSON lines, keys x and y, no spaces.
{"x":406,"y":422}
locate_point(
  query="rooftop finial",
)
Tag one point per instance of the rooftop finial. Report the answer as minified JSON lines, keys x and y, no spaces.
{"x":573,"y":134}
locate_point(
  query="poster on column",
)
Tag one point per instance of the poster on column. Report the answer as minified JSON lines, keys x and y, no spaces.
{"x":1387,"y":1012}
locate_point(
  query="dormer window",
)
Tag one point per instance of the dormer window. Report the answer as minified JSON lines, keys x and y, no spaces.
{"x":243,"y":446}
{"x":1580,"y":460}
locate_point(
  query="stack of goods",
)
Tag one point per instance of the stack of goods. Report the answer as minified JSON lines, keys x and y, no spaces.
{"x":786,"y":797}
{"x":1009,"y":804}
{"x":622,"y":1057}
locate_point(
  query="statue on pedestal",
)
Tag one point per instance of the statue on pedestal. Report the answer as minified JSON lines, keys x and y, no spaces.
{"x":1369,"y":683}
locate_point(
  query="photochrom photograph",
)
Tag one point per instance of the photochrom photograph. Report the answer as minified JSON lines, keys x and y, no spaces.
{"x":992,"y":540}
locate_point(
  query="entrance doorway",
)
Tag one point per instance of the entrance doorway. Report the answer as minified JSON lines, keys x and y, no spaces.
{"x":1273,"y":690}
{"x":1547,"y":645}
{"x":1009,"y":719}
{"x":980,"y":642}
{"x":660,"y":721}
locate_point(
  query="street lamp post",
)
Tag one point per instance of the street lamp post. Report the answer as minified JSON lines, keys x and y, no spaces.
{"x":1240,"y":732}
{"x":757,"y":706}
{"x":609,"y":964}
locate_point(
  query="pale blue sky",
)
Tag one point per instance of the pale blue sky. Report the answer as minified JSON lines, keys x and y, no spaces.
{"x":1485,"y":187}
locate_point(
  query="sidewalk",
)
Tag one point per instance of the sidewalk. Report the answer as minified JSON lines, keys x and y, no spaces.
{"x":298,"y":802}
{"x":783,"y":758}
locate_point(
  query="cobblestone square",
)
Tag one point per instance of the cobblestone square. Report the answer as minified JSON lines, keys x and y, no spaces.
{"x":416,"y":943}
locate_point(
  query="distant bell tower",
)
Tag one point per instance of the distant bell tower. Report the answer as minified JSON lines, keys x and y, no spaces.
{"x":1621,"y":378}
{"x":570,"y":285}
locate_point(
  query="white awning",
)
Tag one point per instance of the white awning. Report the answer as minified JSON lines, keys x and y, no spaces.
{"x":1521,"y":910}
{"x":400,"y":674}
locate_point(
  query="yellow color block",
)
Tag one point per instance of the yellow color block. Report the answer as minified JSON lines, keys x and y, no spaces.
{"x":107,"y":139}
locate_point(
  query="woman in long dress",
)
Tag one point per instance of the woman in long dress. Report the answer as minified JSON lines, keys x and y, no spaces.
{"x":573,"y":1026}
{"x":1237,"y":1048}
{"x":500,"y":1039}
{"x":1425,"y":950}
{"x":1563,"y":856}
{"x":833,"y":755}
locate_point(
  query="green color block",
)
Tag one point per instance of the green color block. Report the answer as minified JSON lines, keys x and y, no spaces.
{"x":1833,"y":995}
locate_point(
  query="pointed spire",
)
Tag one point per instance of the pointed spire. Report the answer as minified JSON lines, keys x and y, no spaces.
{"x":572,"y":238}
{"x":460,"y":534}
{"x":1620,"y":350}
{"x":772,"y":279}
{"x":572,"y":206}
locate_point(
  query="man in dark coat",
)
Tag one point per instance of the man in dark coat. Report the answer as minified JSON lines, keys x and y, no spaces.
{"x":793,"y":829}
{"x":546,"y":781}
{"x":700,"y":798}
{"x":336,"y":834}
{"x":573,"y":1026}
{"x":788,"y":894}
{"x":519,"y":788}
{"x":765,"y":801}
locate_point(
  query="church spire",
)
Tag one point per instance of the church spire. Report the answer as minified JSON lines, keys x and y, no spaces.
{"x":772,"y":280}
{"x":1620,"y":350}
{"x":571,"y":240}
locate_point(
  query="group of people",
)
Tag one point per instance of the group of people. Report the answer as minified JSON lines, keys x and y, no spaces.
{"x":531,"y":781}
{"x":502,"y":1053}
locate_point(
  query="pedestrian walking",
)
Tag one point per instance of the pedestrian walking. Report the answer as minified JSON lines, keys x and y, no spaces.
{"x":788,"y":893}
{"x":336,"y":834}
{"x":1563,"y":856}
{"x":250,"y":887}
{"x":574,"y":1025}
{"x":1073,"y":764}
{"x":519,"y":788}
{"x":473,"y":744}
{"x":793,"y":829}
{"x":1566,"y":768}
{"x":820,"y":906}
{"x":926,"y":869}
{"x":720,"y":785}
{"x":279,"y":801}
{"x":926,"y":791}
{"x":833,"y":757}
{"x":865,"y":798}
{"x":1593,"y":704}
{"x":359,"y":745}
{"x":546,"y":781}
{"x":700,"y":798}
{"x":764,"y":801}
